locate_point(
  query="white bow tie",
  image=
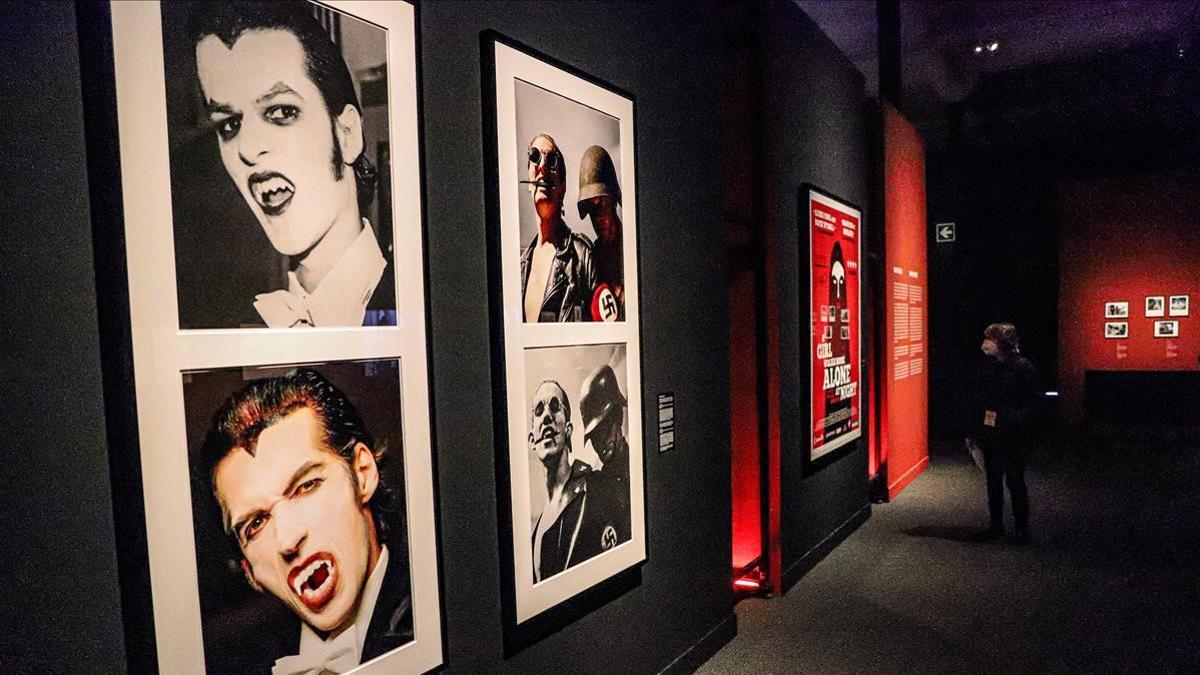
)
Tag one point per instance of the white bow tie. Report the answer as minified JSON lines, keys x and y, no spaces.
{"x":283,"y":309}
{"x":337,"y":656}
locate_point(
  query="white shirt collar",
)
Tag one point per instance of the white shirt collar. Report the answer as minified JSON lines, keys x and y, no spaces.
{"x":311,"y":642}
{"x":341,"y":297}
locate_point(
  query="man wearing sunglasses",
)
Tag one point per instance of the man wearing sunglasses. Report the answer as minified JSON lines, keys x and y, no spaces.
{"x":557,"y":276}
{"x":578,"y":520}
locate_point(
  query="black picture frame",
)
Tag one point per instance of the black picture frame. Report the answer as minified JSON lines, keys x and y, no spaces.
{"x":809,"y":465}
{"x":521,"y":633}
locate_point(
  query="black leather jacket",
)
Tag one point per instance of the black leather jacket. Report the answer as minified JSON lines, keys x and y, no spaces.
{"x":594,"y":520}
{"x":572,"y":278}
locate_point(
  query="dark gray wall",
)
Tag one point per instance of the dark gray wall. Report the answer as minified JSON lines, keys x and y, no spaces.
{"x":813,"y":128}
{"x":61,"y":602}
{"x":1002,"y":266}
{"x":667,"y":55}
{"x":65,"y":613}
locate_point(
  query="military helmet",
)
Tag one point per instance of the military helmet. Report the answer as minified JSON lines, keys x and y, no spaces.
{"x":597,"y":178}
{"x":600,"y":398}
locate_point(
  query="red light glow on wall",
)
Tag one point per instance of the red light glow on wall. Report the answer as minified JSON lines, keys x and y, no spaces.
{"x":904,"y":437}
{"x":1123,"y":240}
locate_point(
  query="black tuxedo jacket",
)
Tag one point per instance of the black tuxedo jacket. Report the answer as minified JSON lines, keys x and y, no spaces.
{"x":391,"y":622}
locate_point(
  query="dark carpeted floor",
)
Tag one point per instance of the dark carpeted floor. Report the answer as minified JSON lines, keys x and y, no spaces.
{"x":1110,"y":583}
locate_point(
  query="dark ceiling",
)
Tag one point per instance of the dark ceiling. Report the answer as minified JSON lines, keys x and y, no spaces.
{"x":1100,"y":82}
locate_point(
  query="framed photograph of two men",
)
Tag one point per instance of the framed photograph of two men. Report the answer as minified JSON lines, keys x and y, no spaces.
{"x":565,"y":313}
{"x":273,"y":227}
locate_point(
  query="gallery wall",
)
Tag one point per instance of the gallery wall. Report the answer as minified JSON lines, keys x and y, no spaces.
{"x":61,"y":601}
{"x":905,"y":433}
{"x":1002,"y":266}
{"x":64,"y":607}
{"x":755,"y":486}
{"x":666,"y":55}
{"x":811,"y":127}
{"x":1124,"y":239}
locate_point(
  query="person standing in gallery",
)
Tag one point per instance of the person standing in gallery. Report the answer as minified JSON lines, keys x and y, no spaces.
{"x":289,"y":129}
{"x":1002,"y":426}
{"x":600,"y":198}
{"x":557,"y":276}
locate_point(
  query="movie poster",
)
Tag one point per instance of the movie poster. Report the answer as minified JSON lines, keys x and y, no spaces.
{"x":835,"y":303}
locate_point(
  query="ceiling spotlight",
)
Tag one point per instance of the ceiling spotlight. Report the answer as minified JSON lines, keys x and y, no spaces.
{"x":993,"y":45}
{"x":978,"y":48}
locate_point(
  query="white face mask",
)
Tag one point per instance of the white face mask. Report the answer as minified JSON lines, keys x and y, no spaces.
{"x":990,"y":347}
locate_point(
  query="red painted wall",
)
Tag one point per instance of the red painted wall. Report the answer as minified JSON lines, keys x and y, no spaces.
{"x":905,"y":405}
{"x":1122,"y":240}
{"x":743,"y":409}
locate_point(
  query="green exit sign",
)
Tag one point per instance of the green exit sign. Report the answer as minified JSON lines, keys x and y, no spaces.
{"x":944,"y":232}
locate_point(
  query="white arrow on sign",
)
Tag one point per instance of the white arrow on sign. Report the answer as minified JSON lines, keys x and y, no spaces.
{"x":945,"y":232}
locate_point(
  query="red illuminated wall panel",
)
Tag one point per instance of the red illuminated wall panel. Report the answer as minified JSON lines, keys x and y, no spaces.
{"x":905,"y":433}
{"x":1123,"y":240}
{"x":744,"y":421}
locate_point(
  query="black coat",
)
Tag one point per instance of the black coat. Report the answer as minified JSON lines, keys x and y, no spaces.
{"x":595,"y":519}
{"x":568,"y":295}
{"x":1010,"y":388}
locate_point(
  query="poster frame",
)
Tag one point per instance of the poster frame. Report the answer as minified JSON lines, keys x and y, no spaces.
{"x":1179,"y":305}
{"x":1118,"y":309}
{"x":1166,"y":329}
{"x":844,"y":445}
{"x":1121,"y":326}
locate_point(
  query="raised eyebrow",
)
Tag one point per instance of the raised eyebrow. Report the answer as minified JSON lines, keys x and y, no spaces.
{"x":299,"y":474}
{"x":214,"y":108}
{"x":277,"y":89}
{"x":236,"y":529}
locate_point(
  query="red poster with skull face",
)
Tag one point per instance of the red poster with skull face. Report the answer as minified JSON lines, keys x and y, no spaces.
{"x":835,"y":230}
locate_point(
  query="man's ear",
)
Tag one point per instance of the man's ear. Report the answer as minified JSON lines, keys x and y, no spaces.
{"x":366,"y":472}
{"x":250,"y":575}
{"x":348,"y":126}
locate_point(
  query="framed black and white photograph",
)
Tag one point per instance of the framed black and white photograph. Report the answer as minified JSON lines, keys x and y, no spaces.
{"x":273,"y":229}
{"x":280,"y":158}
{"x":577,"y":454}
{"x":1116,"y":329}
{"x":1166,"y":329}
{"x":1179,"y":305}
{"x":1156,"y":306}
{"x":1116,"y":310}
{"x":564,"y":298}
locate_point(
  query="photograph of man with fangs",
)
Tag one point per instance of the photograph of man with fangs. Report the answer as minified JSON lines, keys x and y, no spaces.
{"x":301,"y":545}
{"x":280,"y":166}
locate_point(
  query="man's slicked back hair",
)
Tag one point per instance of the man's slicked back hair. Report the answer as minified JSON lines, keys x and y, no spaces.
{"x":243,"y":417}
